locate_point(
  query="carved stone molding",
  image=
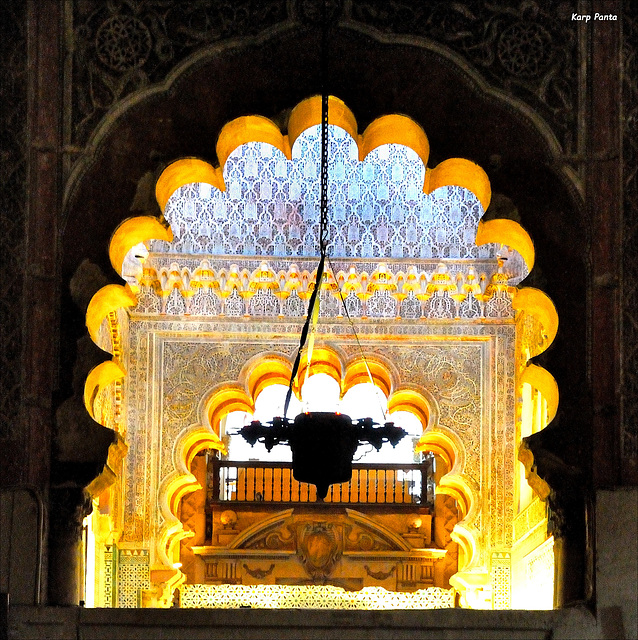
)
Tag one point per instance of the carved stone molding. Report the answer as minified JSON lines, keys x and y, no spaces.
{"x":258,"y":573}
{"x":69,"y":506}
{"x":121,"y":47}
{"x":348,"y":549}
{"x":380,"y":575}
{"x":528,"y":51}
{"x":562,"y":485}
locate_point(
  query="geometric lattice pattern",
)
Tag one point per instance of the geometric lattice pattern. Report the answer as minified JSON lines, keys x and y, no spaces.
{"x":133,"y":575}
{"x":500,"y":573}
{"x":227,"y":596}
{"x":109,"y":573}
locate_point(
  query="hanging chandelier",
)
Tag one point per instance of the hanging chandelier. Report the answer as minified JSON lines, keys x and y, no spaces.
{"x":323,"y":444}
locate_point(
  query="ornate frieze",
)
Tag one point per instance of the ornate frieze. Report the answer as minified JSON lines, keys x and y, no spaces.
{"x":527,"y":50}
{"x":528,"y":519}
{"x":119,"y":48}
{"x":218,"y":287}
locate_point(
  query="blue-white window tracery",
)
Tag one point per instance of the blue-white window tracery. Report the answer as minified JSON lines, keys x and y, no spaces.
{"x":377,"y":208}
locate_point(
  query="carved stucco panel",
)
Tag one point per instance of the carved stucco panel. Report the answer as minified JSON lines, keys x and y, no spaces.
{"x":172,"y":365}
{"x":458,"y":376}
{"x":137,"y":417}
{"x":188,"y":369}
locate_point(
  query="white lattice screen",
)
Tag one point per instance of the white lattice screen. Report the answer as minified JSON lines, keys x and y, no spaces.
{"x":310,"y":597}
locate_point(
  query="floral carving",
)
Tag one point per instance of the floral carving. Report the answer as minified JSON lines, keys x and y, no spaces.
{"x":379,"y":575}
{"x":120,"y":47}
{"x":258,"y":573}
{"x":526,"y":49}
{"x":123,"y":43}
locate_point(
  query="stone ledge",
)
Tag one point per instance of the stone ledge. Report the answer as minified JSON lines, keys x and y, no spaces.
{"x":27,"y":623}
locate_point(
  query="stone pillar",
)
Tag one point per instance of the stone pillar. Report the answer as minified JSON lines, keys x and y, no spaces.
{"x":567,"y":522}
{"x":68,"y":508}
{"x":566,"y":491}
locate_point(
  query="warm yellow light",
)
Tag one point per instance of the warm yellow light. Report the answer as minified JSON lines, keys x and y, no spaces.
{"x":105,"y":301}
{"x":539,"y":305}
{"x":133,"y":231}
{"x":395,"y":129}
{"x":249,"y":129}
{"x":231,"y":596}
{"x":388,"y":129}
{"x":308,"y":114}
{"x":542,"y":380}
{"x":460,"y":173}
{"x":89,"y":568}
{"x":186,"y":171}
{"x":509,"y":233}
{"x":100,"y":377}
{"x":534,"y":587}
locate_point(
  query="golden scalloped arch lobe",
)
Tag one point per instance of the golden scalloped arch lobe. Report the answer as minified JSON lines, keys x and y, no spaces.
{"x":249,"y":129}
{"x":100,"y":377}
{"x":186,"y":171}
{"x":358,"y":373}
{"x":231,"y":397}
{"x":388,"y":129}
{"x":133,"y":231}
{"x":538,"y":304}
{"x":459,"y":172}
{"x":265,"y":372}
{"x":308,"y":114}
{"x":324,"y":360}
{"x":541,"y":379}
{"x":510,"y":233}
{"x":412,"y":402}
{"x":395,"y":129}
{"x":106,"y":300}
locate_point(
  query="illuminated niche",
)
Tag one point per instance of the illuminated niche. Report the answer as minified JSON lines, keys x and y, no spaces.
{"x":210,"y":312}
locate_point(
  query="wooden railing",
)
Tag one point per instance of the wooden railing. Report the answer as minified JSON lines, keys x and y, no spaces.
{"x":390,"y":484}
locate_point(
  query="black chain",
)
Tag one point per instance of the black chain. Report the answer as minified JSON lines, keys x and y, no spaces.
{"x":323,"y":202}
{"x":323,"y":224}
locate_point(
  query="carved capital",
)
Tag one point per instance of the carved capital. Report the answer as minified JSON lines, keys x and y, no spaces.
{"x":68,"y":507}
